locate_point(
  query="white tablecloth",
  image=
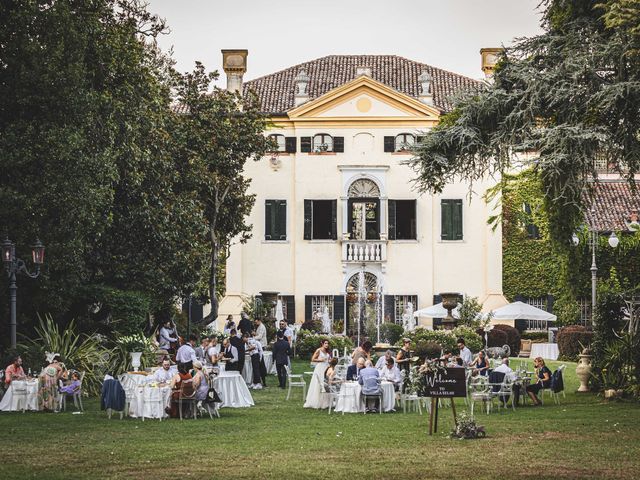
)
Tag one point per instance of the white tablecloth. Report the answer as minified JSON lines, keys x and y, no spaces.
{"x":150,"y":401}
{"x":548,"y":351}
{"x":233,"y":390}
{"x":350,"y":400}
{"x":9,"y":403}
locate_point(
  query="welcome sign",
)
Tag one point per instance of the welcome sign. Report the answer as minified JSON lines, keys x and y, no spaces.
{"x":445,"y":383}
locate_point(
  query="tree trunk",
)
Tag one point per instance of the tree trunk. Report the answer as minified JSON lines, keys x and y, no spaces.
{"x":213,"y":275}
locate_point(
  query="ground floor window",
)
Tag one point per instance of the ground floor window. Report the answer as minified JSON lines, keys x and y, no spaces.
{"x":320,"y":220}
{"x":402,"y":303}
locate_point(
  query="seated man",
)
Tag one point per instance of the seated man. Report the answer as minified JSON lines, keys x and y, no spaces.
{"x":369,"y":378}
{"x":163,"y":374}
{"x":382,"y":361}
{"x":14,"y":371}
{"x":353,"y":370}
{"x":391,"y":373}
{"x":510,"y":376}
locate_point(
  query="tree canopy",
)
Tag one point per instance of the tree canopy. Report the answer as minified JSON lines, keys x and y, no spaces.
{"x":558,"y":101}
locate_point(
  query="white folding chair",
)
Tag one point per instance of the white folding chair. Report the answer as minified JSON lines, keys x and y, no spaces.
{"x":479,"y":391}
{"x":19,"y":392}
{"x":152,"y":396}
{"x":296,"y":380}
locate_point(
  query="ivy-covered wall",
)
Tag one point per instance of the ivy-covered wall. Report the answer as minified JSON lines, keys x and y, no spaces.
{"x":534,"y":266}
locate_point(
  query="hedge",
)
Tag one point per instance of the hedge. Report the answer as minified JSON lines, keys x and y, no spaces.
{"x":513,"y":338}
{"x":497,"y":338}
{"x":572,"y":339}
{"x":446,"y":339}
{"x":308,"y":342}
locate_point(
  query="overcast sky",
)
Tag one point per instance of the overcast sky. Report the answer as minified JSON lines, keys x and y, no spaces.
{"x":280,"y":33}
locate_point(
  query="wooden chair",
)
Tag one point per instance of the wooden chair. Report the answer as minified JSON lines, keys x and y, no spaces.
{"x":525,"y":348}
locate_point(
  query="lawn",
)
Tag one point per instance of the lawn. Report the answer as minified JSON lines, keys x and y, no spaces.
{"x":584,"y":437}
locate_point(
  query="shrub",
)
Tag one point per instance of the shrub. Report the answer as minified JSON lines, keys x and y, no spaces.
{"x":473,"y":341}
{"x":391,"y":332}
{"x":446,"y":339}
{"x":308,"y":342}
{"x":312,"y":326}
{"x":535,"y":337}
{"x":497,"y":338}
{"x":427,"y":349}
{"x":513,"y":338}
{"x":572,"y":339}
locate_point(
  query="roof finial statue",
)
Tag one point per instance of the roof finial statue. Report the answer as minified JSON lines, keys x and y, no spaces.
{"x":426,"y":91}
{"x":301,"y":82}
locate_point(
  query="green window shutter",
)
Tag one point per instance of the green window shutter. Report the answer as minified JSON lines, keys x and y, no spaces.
{"x":290,"y":305}
{"x":308,"y":315}
{"x":305,"y":144}
{"x":446,"y":232}
{"x":334,"y":219}
{"x":457,"y":219}
{"x":392,"y":219}
{"x":290,"y":144}
{"x":281,"y":220}
{"x":338,"y":307}
{"x":420,"y":139}
{"x":308,"y":215}
{"x":389,"y":144}
{"x":338,"y":144}
{"x":390,"y":308}
{"x":269,"y":219}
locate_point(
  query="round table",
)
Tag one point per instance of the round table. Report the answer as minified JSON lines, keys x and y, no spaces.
{"x":9,"y":402}
{"x":350,"y":398}
{"x":150,"y":401}
{"x":232,"y":390}
{"x":548,"y":351}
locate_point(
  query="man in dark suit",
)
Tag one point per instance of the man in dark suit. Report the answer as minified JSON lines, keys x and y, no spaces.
{"x":281,"y":352}
{"x":353,"y":370}
{"x":239,"y":344}
{"x":245,"y":325}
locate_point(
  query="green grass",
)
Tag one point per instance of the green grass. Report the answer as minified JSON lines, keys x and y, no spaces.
{"x":584,"y":437}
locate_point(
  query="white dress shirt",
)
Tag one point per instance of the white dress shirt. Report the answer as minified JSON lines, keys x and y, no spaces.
{"x":391,"y":375}
{"x":466,"y":356}
{"x":253,"y":342}
{"x":163,"y":376}
{"x":261,"y":335}
{"x":215,"y":350}
{"x":166,"y":337}
{"x":233,"y":351}
{"x":506,"y":369}
{"x":185,"y":354}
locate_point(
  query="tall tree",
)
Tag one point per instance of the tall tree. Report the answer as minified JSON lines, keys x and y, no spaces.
{"x":216,"y":133}
{"x":570,"y":95}
{"x":85,"y":124}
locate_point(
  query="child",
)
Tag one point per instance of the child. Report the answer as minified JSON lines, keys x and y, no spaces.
{"x":73,"y":386}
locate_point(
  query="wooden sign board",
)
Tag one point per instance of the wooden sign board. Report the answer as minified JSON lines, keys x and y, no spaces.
{"x":446,"y":383}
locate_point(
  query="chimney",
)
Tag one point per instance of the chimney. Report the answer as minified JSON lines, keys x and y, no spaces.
{"x":363,"y":71}
{"x":426,"y":89}
{"x":301,"y":83}
{"x":489,"y":58}
{"x":234,"y":64}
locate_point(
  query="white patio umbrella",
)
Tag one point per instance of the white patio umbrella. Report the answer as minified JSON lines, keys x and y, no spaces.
{"x":437,"y":311}
{"x":279,"y":313}
{"x":522,"y":311}
{"x":326,"y":321}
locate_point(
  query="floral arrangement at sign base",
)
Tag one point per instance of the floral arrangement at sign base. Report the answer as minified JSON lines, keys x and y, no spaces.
{"x":467,"y":428}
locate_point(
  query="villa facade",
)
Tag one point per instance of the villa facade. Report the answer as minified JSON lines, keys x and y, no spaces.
{"x":336,"y":216}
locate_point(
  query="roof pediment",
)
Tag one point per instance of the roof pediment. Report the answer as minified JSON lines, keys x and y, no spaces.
{"x":364,"y":98}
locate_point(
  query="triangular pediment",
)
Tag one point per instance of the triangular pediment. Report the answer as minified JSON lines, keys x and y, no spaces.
{"x":364,"y":98}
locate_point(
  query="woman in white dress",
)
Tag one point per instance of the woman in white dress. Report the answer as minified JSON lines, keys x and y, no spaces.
{"x":315,"y":397}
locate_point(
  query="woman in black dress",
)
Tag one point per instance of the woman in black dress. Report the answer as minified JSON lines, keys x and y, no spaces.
{"x":544,"y":380}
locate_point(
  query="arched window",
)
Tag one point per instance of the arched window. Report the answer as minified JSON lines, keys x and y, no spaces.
{"x":280,"y":142}
{"x":364,"y":188}
{"x":323,"y":142}
{"x":404,"y":141}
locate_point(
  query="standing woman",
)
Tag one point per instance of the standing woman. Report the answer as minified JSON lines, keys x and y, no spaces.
{"x":544,"y":380}
{"x":49,"y":378}
{"x":363,"y":351}
{"x":315,"y":397}
{"x":404,"y":356}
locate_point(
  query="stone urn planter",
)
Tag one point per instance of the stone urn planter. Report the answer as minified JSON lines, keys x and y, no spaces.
{"x":583,"y":370}
{"x":449,"y":302}
{"x":135,"y":360}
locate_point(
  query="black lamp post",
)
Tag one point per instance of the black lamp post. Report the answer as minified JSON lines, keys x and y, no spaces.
{"x":14,"y":266}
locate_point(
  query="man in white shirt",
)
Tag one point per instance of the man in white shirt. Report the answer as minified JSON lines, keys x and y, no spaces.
{"x":382,"y":361}
{"x":288,"y":333}
{"x":254,"y":348}
{"x":261,"y":333}
{"x":391,"y":373}
{"x":186,"y":354}
{"x":167,"y":336}
{"x":164,"y":373}
{"x":465,"y":353}
{"x":506,"y":369}
{"x":213,"y":352}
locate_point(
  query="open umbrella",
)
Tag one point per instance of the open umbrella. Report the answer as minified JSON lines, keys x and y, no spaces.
{"x":437,"y":311}
{"x":522,"y":311}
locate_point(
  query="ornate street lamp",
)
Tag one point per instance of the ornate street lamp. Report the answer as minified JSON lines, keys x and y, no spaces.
{"x":593,"y":243}
{"x":13,"y":266}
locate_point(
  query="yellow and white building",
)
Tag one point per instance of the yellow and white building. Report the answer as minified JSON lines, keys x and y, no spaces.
{"x":336,"y":199}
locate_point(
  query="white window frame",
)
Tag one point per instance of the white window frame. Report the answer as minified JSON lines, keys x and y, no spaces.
{"x":318,"y":302}
{"x":401,"y":144}
{"x":282,"y":145}
{"x":400,"y":303}
{"x":322,"y":142}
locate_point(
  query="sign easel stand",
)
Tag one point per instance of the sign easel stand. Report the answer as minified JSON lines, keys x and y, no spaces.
{"x":433,"y":415}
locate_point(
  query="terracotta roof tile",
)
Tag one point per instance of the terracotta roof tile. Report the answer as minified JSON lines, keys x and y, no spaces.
{"x":276,"y":91}
{"x":614,"y":202}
